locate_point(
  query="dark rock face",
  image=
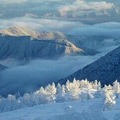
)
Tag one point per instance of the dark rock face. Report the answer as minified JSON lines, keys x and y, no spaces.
{"x":106,"y":69}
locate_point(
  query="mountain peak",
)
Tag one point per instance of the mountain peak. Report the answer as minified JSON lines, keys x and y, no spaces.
{"x":19,"y":31}
{"x":25,"y":31}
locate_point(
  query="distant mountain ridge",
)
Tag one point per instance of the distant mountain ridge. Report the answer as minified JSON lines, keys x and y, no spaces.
{"x":106,"y":69}
{"x":49,"y":35}
{"x":25,"y":31}
{"x":26,"y":47}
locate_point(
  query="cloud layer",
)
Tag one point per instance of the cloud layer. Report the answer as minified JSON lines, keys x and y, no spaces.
{"x":38,"y":73}
{"x":69,"y":9}
{"x":39,"y":24}
{"x":81,"y":8}
{"x":69,"y":27}
{"x":110,"y":29}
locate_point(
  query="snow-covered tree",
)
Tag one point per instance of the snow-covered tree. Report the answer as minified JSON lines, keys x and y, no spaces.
{"x":116,"y":88}
{"x":67,"y":86}
{"x":109,"y":99}
{"x":26,"y":100}
{"x":77,"y":90}
{"x":60,"y":93}
{"x":50,"y":92}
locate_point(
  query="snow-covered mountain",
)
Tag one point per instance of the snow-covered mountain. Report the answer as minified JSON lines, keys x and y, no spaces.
{"x":95,"y":43}
{"x":26,"y":47}
{"x":91,"y":45}
{"x":25,"y":31}
{"x":18,"y":31}
{"x":106,"y":69}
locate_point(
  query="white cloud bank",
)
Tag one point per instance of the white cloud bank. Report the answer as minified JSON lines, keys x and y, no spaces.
{"x":37,"y":73}
{"x":39,"y":24}
{"x":110,"y":29}
{"x":82,"y":8}
{"x":70,"y":27}
{"x":74,"y":9}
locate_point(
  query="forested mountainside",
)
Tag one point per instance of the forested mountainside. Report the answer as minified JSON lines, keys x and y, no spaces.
{"x":106,"y":69}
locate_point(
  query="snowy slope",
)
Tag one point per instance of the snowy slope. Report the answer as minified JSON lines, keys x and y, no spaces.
{"x":78,"y":100}
{"x":43,"y":112}
{"x":106,"y":69}
{"x":75,"y":110}
{"x":18,"y":31}
{"x":24,"y":31}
